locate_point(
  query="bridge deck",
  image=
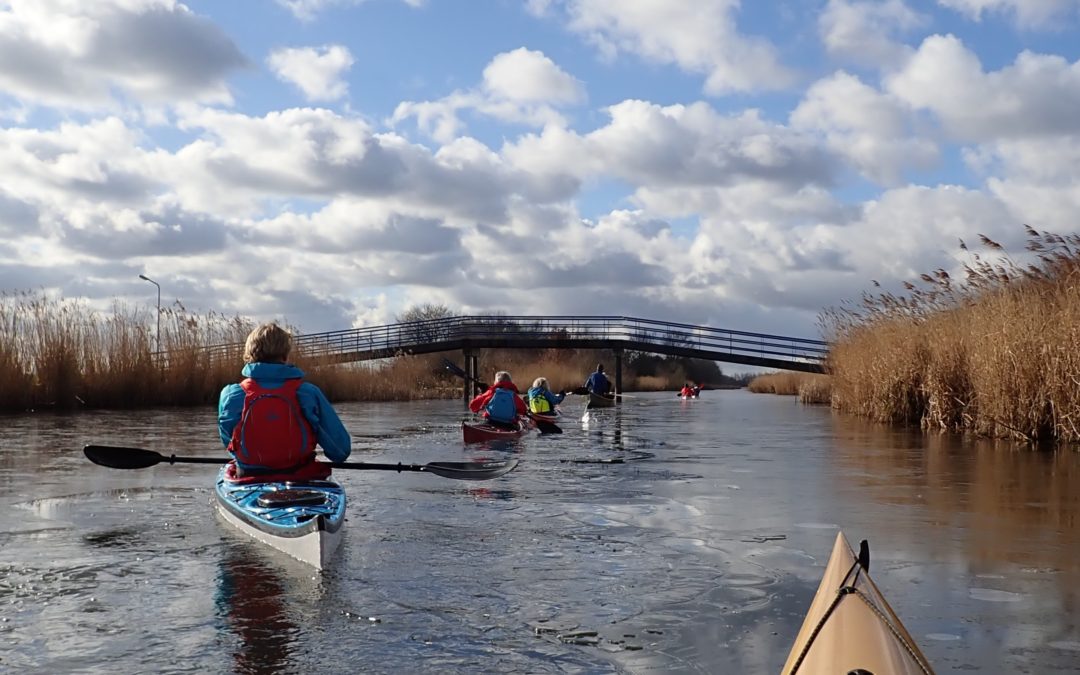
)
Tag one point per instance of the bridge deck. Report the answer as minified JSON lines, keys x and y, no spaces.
{"x":561,"y":332}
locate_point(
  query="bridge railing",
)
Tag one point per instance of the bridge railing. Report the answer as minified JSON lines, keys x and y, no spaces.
{"x":630,"y":331}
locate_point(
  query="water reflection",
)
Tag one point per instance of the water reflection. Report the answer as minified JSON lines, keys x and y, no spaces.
{"x":250,"y":597}
{"x":701,"y":557}
{"x":1002,"y":516}
{"x":1006,"y":502}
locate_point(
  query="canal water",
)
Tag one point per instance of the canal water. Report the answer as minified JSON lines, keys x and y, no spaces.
{"x":666,"y":536}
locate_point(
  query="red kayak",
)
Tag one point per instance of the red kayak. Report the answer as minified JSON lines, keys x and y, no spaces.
{"x":550,"y":418}
{"x":478,"y":432}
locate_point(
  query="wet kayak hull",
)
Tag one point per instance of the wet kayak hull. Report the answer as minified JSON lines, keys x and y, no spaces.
{"x":478,"y":432}
{"x":302,"y":519}
{"x":851,"y":628}
{"x":600,"y":401}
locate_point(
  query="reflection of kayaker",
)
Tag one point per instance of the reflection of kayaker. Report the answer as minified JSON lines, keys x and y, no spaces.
{"x":249,"y":599}
{"x":850,"y":628}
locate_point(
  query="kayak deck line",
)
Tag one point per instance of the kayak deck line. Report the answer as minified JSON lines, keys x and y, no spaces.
{"x":864,"y":636}
{"x":851,"y":590}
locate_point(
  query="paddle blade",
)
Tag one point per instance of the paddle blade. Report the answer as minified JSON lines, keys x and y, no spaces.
{"x":453,"y":367}
{"x":121,"y":458}
{"x":548,"y":427}
{"x":471,"y":470}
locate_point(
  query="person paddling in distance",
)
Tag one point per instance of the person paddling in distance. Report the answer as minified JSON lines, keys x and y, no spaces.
{"x":687,"y":391}
{"x":500,"y":403}
{"x":272,"y":420}
{"x":541,"y":400}
{"x":598,"y":382}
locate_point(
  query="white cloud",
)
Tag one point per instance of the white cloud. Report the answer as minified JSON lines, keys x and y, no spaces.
{"x":690,"y":145}
{"x":318,"y":72}
{"x":862,"y":31}
{"x":79,"y":54}
{"x":698,"y":36}
{"x":1038,"y":95}
{"x":307,"y":10}
{"x":519,"y":86}
{"x":876,"y":132}
{"x":527,"y":76}
{"x":538,"y":7}
{"x":1028,"y":13}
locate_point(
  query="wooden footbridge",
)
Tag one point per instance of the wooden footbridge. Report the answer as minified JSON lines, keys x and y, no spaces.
{"x":616,"y":333}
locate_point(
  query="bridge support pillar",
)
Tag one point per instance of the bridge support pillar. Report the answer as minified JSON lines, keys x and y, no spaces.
{"x":618,"y":375}
{"x":470,"y":374}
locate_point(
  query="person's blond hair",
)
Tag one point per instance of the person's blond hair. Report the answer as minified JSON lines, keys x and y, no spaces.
{"x":502,"y":376}
{"x":269,"y":342}
{"x":540,"y":382}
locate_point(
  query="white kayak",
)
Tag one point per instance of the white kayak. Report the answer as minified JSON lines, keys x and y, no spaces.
{"x":303,"y":519}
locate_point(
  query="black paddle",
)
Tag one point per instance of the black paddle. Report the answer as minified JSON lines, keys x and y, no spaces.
{"x":544,"y":426}
{"x":137,"y":458}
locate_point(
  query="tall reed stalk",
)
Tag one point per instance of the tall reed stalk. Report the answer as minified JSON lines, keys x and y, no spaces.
{"x":995,"y":353}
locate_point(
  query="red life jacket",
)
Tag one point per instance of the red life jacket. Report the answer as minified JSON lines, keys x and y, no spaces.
{"x":273,"y":433}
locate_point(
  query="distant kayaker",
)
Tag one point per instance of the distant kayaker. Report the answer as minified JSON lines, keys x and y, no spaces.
{"x":272,"y":420}
{"x":501,"y":403}
{"x":598,"y":382}
{"x":687,"y":391}
{"x":697,"y":390}
{"x":541,"y":400}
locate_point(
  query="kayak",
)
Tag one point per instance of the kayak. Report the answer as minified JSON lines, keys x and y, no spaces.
{"x":550,"y":418}
{"x":600,"y":401}
{"x":478,"y":432}
{"x":849,"y":627}
{"x":303,"y":519}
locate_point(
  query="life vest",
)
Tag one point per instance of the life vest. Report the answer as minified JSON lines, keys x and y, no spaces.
{"x":272,"y":433}
{"x":501,"y":407}
{"x":539,"y":404}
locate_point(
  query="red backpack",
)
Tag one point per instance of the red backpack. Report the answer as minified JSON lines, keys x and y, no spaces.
{"x":272,"y":432}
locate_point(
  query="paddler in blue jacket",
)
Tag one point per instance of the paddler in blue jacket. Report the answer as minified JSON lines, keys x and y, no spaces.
{"x":598,"y":382}
{"x":541,"y":400}
{"x":272,"y":420}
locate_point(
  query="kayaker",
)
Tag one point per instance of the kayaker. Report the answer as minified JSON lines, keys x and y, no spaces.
{"x":272,"y":420}
{"x":501,"y":404}
{"x":687,"y":391}
{"x":598,"y":382}
{"x":697,"y":390}
{"x":541,"y":400}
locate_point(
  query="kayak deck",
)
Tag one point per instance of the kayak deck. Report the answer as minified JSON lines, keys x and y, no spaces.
{"x":600,"y":401}
{"x":302,"y":519}
{"x":478,"y":432}
{"x":850,"y":627}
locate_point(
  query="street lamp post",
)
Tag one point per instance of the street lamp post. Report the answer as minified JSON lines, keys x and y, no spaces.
{"x":157,"y":335}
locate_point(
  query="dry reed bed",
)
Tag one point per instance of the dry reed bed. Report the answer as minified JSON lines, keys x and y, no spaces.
{"x":811,"y":388}
{"x":996,"y":354}
{"x":60,"y":354}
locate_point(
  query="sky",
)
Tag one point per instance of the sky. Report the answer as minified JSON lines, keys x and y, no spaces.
{"x":331,"y":163}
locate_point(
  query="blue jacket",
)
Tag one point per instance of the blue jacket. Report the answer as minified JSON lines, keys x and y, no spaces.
{"x":329,"y":431}
{"x":552,"y":399}
{"x":598,"y":383}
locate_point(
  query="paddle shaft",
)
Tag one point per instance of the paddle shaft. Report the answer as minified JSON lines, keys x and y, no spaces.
{"x":139,"y":458}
